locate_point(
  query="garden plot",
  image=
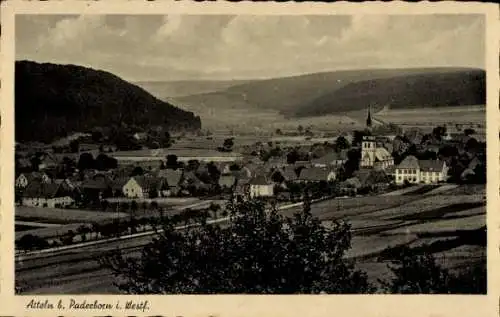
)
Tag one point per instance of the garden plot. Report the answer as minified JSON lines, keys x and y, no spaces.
{"x":442,"y":189}
{"x":447,"y":225}
{"x":353,"y":207}
{"x":403,"y":191}
{"x":372,"y":246}
{"x":425,"y":204}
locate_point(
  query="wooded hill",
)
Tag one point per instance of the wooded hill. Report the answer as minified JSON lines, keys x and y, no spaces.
{"x":54,"y":100}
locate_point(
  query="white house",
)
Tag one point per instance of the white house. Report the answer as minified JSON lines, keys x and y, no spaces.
{"x":143,"y":187}
{"x":48,"y":195}
{"x":23,"y":180}
{"x":374,"y":156}
{"x":260,"y":186}
{"x":413,"y":170}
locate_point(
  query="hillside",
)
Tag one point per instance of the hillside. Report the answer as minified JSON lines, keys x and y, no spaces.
{"x":436,"y":89}
{"x":54,"y":100}
{"x":171,"y":89}
{"x":341,"y":91}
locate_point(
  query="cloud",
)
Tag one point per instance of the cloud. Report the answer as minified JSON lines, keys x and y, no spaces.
{"x":223,"y":46}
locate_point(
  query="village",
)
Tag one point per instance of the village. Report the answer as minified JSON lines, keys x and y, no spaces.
{"x":92,"y":175}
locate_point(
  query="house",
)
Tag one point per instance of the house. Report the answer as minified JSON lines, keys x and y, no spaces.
{"x":350,"y":186}
{"x":24,"y":179}
{"x":373,"y":155}
{"x":276,"y":162}
{"x":242,"y":187}
{"x":288,"y":172}
{"x":413,"y":170}
{"x":316,"y":174}
{"x":333,"y":159}
{"x":260,"y":186}
{"x":50,"y":195}
{"x":373,"y":178}
{"x":117,"y":186}
{"x":224,"y":168}
{"x":144,"y":187}
{"x":95,"y":189}
{"x":244,"y":172}
{"x":227,"y":181}
{"x":140,"y":136}
{"x":47,"y":161}
{"x":173,"y":179}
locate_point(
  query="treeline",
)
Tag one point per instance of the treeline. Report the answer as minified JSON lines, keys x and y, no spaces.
{"x":54,"y":100}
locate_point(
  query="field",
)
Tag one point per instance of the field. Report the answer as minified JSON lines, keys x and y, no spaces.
{"x":440,"y":221}
{"x":50,"y":222}
{"x":64,"y":216}
{"x":425,"y":117}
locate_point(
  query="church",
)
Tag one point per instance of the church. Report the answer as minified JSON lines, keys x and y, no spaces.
{"x":373,"y":155}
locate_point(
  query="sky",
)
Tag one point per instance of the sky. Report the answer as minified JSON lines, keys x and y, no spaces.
{"x":219,"y":47}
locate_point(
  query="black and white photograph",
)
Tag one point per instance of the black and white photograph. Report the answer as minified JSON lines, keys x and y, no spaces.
{"x":250,"y":154}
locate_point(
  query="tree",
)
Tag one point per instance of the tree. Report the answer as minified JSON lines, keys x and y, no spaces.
{"x":277,"y":177}
{"x":300,"y":129}
{"x":439,"y":132}
{"x":133,"y":208}
{"x":31,"y":242}
{"x":97,"y":136}
{"x":104,"y":205}
{"x":358,"y":137}
{"x":172,"y":161}
{"x":292,"y":157}
{"x":214,"y":208}
{"x":469,"y":131}
{"x":154,"y":205}
{"x":471,"y":145}
{"x":416,"y":272}
{"x":228,"y":144}
{"x":82,"y":231}
{"x":193,"y":165}
{"x":104,"y":162}
{"x":341,"y":144}
{"x":74,"y":146}
{"x":258,"y":251}
{"x":86,"y":161}
{"x":213,"y":172}
{"x":137,"y":171}
{"x":35,"y":163}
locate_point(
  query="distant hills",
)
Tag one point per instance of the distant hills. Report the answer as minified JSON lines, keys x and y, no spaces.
{"x":54,"y":100}
{"x":172,"y":89}
{"x":341,"y":92}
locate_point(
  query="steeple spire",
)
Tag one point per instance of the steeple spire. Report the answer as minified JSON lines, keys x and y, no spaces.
{"x":369,"y":118}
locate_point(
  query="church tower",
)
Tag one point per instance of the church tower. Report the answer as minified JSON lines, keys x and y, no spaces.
{"x":368,"y":149}
{"x":369,"y":118}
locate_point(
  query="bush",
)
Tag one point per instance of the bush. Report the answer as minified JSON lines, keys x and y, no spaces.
{"x":256,"y":252}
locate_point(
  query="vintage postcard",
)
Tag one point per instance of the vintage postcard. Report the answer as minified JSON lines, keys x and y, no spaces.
{"x":184,"y":159}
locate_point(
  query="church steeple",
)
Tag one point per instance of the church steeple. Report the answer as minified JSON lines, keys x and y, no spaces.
{"x":369,"y":118}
